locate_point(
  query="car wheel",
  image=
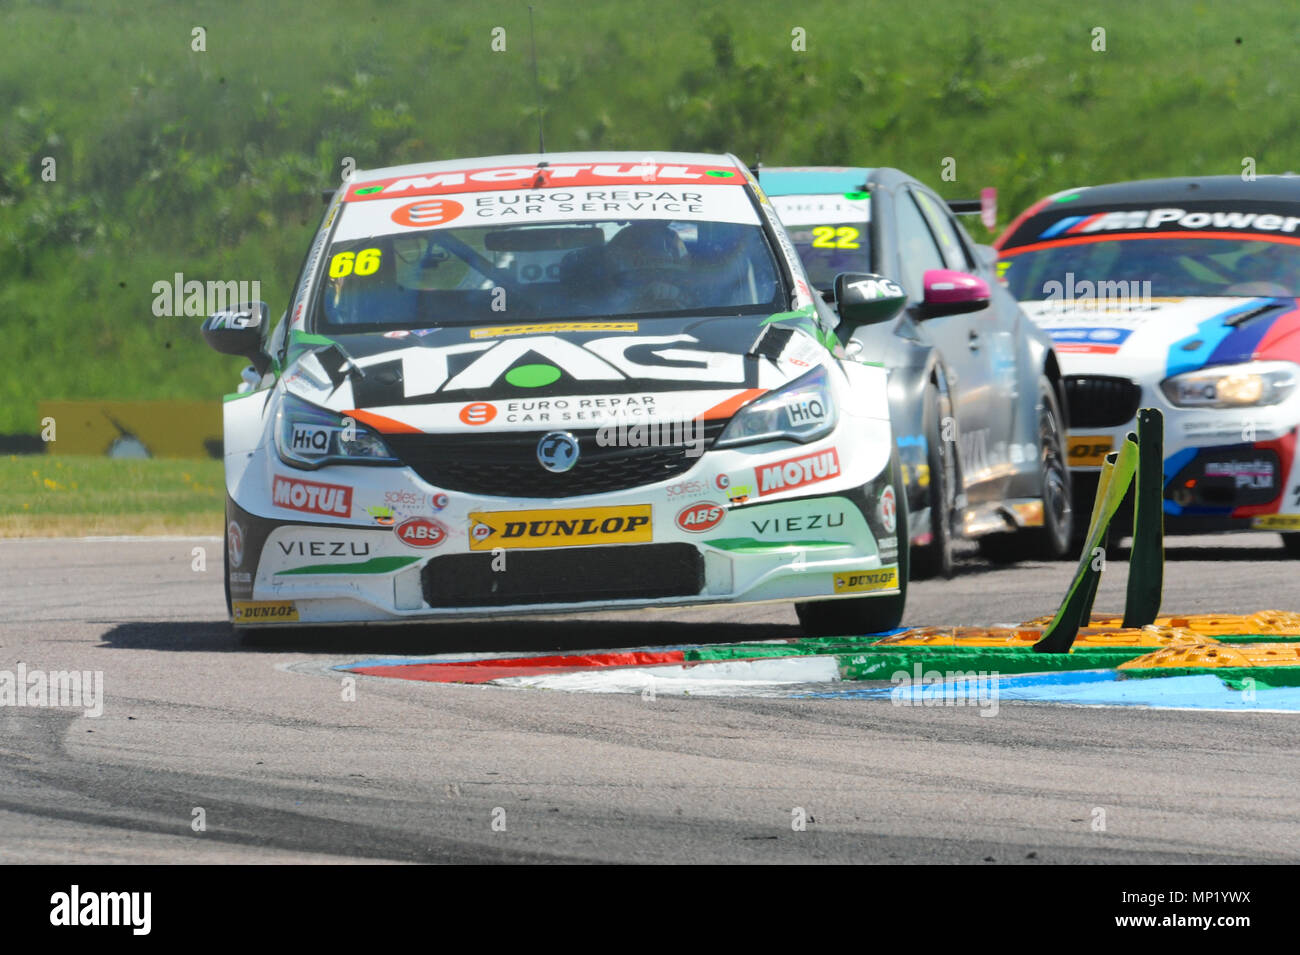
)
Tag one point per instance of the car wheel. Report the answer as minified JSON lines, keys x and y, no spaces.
{"x":855,"y":616}
{"x":935,"y":558}
{"x":1291,"y":544}
{"x":1053,"y":540}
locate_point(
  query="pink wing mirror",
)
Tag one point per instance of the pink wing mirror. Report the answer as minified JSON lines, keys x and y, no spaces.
{"x":950,"y":293}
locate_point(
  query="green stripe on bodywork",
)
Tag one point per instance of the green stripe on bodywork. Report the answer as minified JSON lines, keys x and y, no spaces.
{"x":375,"y":565}
{"x":748,"y":545}
{"x":805,"y":319}
{"x":300,"y":342}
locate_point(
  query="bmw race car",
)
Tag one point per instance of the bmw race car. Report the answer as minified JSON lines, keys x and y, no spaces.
{"x":1179,"y":294}
{"x":557,"y":383}
{"x":974,"y":389}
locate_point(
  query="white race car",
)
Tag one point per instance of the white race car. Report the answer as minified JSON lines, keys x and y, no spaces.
{"x":1178,"y":294}
{"x":558,"y":383}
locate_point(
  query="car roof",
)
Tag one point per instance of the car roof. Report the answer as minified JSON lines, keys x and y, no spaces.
{"x":813,"y":180}
{"x":554,"y":159}
{"x":1285,"y":188}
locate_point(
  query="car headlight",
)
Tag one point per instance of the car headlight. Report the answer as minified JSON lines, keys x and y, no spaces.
{"x":801,"y":411}
{"x":308,"y":437}
{"x":1232,"y":386}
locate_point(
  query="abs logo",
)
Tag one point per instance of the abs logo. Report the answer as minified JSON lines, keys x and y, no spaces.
{"x":420,"y":532}
{"x":480,"y":412}
{"x":427,"y":212}
{"x":701,"y":517}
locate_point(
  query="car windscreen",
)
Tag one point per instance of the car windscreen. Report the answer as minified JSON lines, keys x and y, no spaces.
{"x":831,"y":233}
{"x":468,"y":274}
{"x":1175,"y":267}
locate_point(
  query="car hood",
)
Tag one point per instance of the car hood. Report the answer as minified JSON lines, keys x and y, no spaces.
{"x":577,"y":374}
{"x":1153,"y":339}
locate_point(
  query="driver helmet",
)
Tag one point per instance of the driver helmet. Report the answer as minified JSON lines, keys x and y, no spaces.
{"x":647,"y":254}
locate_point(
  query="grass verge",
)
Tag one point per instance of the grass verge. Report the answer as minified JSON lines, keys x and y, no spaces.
{"x":76,"y":496}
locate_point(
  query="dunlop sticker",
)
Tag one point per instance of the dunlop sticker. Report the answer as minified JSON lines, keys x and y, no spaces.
{"x":866,"y":581}
{"x":1278,"y":522}
{"x":627,"y":524}
{"x":498,"y":331}
{"x":269,"y":611}
{"x":1089,"y":451}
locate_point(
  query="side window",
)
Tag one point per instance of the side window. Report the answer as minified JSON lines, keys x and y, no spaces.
{"x":916,"y":249}
{"x":945,"y":230}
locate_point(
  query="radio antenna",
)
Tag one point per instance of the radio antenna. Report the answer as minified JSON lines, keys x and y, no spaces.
{"x":537,"y":83}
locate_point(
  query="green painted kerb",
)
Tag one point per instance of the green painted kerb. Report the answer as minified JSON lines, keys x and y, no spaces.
{"x":1233,"y":677}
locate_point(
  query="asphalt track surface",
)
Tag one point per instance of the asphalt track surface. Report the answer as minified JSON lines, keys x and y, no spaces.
{"x":285,"y":770}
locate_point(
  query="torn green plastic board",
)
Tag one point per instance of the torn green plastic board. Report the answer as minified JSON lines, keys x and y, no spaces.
{"x":1114,"y":482}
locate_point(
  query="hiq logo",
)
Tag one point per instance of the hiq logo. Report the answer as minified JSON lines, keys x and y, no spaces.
{"x":810,"y":411}
{"x":308,"y":440}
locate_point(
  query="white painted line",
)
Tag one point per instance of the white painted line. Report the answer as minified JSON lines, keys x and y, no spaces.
{"x":713,"y":678}
{"x":107,"y":540}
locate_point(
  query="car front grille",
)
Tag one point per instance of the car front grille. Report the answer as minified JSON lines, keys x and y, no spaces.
{"x":506,"y":465}
{"x":565,"y":575}
{"x":1100,"y":402}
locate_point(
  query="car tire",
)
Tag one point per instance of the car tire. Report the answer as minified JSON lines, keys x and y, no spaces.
{"x":855,"y":616}
{"x":935,"y":558}
{"x":1291,"y":544}
{"x":1055,"y":539}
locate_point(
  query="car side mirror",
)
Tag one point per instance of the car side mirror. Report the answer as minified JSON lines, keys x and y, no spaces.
{"x":952,"y":293}
{"x":240,"y":331}
{"x":865,"y":299}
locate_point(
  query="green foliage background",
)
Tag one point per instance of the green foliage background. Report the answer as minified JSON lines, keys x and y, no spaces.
{"x":211,"y":163}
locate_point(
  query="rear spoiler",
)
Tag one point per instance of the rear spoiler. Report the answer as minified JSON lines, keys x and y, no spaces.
{"x":964,"y":207}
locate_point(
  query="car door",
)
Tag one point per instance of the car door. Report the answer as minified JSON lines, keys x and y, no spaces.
{"x":968,"y":342}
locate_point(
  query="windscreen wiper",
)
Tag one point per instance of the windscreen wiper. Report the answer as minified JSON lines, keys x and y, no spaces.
{"x":338,"y":364}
